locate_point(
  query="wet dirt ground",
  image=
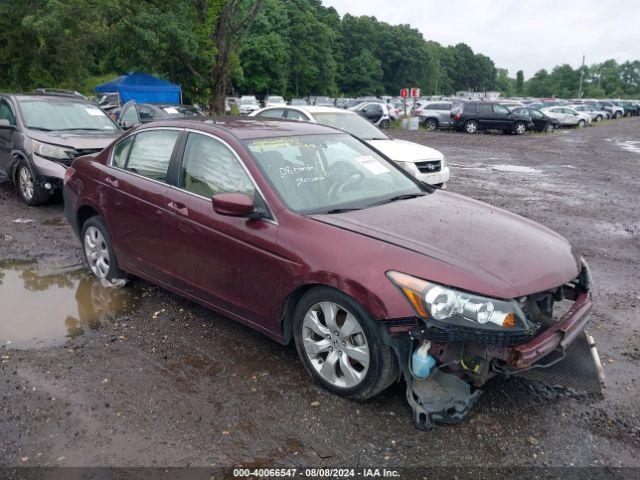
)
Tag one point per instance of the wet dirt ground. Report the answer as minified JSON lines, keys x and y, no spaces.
{"x":95,"y":377}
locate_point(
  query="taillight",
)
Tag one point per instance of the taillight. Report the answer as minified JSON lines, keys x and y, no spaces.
{"x":456,"y":116}
{"x":68,"y":174}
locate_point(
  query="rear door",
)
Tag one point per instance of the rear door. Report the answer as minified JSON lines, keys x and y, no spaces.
{"x":229,"y":262}
{"x":136,"y":181}
{"x":484,"y":114}
{"x":501,"y":117}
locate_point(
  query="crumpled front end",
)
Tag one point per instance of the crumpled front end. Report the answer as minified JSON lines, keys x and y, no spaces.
{"x":466,"y":357}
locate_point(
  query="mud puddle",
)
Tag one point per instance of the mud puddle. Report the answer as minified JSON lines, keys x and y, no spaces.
{"x":44,"y":305}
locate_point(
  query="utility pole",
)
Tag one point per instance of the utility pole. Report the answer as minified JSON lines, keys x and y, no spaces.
{"x":581,"y":78}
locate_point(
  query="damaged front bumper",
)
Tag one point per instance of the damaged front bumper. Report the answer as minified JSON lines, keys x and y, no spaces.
{"x":467,"y":358}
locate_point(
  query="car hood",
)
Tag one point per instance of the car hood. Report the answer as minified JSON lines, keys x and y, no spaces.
{"x":403,"y":151}
{"x":78,"y":139}
{"x":499,"y":253}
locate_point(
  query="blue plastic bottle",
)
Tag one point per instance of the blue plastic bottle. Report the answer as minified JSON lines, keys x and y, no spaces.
{"x":421,"y":361}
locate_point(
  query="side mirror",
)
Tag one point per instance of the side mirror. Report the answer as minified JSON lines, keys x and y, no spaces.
{"x":233,"y":204}
{"x":4,"y":123}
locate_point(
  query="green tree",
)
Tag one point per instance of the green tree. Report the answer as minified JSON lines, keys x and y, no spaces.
{"x":519,"y":82}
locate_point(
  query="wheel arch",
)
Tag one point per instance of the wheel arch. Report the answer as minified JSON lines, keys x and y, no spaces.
{"x":358,"y":293}
{"x":84,"y":213}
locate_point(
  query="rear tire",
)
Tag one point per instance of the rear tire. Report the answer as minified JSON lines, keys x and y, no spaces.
{"x":598,"y":118}
{"x":30,"y":192}
{"x":471,"y":126}
{"x":431,"y":124}
{"x":385,"y":124}
{"x":582,"y":124}
{"x":340,"y":345}
{"x":99,"y":253}
{"x":617,"y":115}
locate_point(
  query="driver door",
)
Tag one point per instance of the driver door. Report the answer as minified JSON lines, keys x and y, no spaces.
{"x":228,"y":262}
{"x":129,"y":116}
{"x":6,"y":134}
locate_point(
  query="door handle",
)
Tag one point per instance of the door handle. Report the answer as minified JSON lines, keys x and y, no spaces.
{"x":112,"y":181}
{"x":181,"y":208}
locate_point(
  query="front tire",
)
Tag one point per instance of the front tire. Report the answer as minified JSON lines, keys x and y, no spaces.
{"x":598,"y":118}
{"x":520,"y":128}
{"x":99,"y":253}
{"x":582,"y":124}
{"x":385,"y":124}
{"x":617,"y":115}
{"x":30,"y":192}
{"x":471,"y":126}
{"x":340,"y":345}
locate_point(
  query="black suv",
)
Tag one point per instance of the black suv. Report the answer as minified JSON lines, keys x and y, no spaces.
{"x":41,"y":134}
{"x":474,"y":116}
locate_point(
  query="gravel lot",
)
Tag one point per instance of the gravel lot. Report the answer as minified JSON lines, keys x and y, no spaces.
{"x":154,"y":380}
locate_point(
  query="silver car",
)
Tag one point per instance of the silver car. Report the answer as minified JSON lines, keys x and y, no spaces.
{"x":568,"y":117}
{"x":595,"y":114}
{"x":435,"y":114}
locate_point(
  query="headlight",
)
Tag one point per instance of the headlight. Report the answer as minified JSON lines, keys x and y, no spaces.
{"x":447,"y":305}
{"x":53,"y":152}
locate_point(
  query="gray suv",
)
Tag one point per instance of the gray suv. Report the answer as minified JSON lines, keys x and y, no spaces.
{"x":40,"y":135}
{"x":435,"y":114}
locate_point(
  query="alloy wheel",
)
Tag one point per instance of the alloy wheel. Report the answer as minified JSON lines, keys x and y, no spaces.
{"x":335,"y":344}
{"x":25,"y":183}
{"x":471,"y":127}
{"x":521,"y":128}
{"x":431,"y":124}
{"x":97,"y":252}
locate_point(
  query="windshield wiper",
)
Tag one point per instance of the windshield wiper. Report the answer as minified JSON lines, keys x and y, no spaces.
{"x":342,"y":210}
{"x":42,"y":129}
{"x":406,"y":196}
{"x":92,"y":129}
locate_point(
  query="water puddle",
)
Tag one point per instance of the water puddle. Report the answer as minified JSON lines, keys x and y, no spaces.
{"x":516,"y":169}
{"x":44,"y":305}
{"x":630,"y":146}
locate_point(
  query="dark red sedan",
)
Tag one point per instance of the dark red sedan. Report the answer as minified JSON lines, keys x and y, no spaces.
{"x":304,"y":232}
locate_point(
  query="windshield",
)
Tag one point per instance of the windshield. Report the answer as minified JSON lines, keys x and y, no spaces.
{"x":181,"y":111}
{"x":275,"y":100}
{"x":321,"y":173}
{"x":249,"y":101}
{"x":64,"y":115}
{"x":350,"y":123}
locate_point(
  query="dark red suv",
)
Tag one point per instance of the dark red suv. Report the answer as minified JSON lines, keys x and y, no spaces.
{"x":304,"y":232}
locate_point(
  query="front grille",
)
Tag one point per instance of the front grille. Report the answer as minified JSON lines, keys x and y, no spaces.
{"x":455,"y":333}
{"x":430,"y":166}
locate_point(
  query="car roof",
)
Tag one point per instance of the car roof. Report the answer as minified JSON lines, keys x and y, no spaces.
{"x":44,"y":97}
{"x":246,"y":128}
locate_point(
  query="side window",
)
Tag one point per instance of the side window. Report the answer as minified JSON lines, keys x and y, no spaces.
{"x":273,"y":113}
{"x":151,"y":153}
{"x":210,"y":168}
{"x":433,"y":106}
{"x":6,"y":113}
{"x":481,"y":108}
{"x":470,"y":108}
{"x":121,"y":152}
{"x":500,"y":109}
{"x":146,"y":113}
{"x":376,"y":107}
{"x":295,"y":115}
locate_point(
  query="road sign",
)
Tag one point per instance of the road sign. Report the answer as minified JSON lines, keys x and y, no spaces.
{"x":404,"y":93}
{"x":415,"y":92}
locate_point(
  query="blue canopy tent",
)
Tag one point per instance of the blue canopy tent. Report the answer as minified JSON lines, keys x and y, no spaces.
{"x":143,"y":88}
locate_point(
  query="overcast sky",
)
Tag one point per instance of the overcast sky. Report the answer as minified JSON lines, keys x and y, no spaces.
{"x":518,"y":35}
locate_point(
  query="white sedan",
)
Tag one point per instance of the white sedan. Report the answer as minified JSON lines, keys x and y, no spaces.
{"x":424,"y":163}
